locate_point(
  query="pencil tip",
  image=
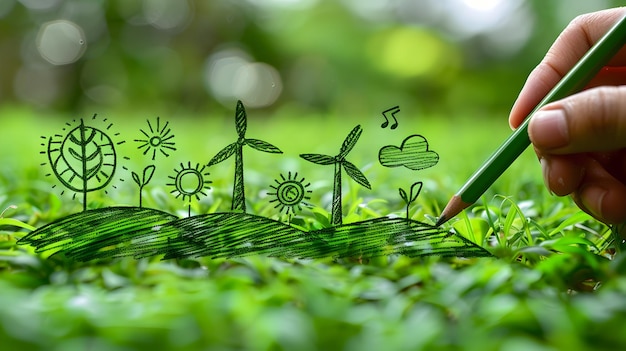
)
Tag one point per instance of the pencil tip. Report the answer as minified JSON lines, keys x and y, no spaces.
{"x":454,"y":207}
{"x":442,"y":219}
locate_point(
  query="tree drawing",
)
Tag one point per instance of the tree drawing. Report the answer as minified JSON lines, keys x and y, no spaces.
{"x":236,"y":148}
{"x":340,"y":162}
{"x":84,"y":159}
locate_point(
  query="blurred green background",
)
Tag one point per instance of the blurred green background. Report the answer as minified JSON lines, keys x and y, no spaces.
{"x":196,"y":57}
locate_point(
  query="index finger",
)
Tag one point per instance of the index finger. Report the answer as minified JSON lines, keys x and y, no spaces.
{"x":572,"y":44}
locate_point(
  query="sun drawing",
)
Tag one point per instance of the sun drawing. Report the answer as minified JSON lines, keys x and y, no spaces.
{"x":158,"y":139}
{"x":189,"y":182}
{"x":289,"y":193}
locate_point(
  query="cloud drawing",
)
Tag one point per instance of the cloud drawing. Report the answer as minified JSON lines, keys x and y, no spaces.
{"x":412,"y":154}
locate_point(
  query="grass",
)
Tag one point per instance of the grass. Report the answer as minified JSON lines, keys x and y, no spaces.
{"x":556,"y":281}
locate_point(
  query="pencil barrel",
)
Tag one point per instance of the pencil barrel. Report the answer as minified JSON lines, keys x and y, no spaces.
{"x":574,"y":81}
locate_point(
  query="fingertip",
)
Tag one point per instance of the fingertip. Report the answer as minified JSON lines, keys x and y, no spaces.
{"x":604,"y":204}
{"x":562,"y":174}
{"x":513,"y":122}
{"x":548,"y":129}
{"x":517,"y":114}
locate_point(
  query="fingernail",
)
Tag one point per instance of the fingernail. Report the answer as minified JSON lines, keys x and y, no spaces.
{"x":592,"y":199}
{"x":548,"y":129}
{"x":545,"y":169}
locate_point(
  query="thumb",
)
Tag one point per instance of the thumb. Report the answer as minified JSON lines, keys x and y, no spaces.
{"x":593,"y":120}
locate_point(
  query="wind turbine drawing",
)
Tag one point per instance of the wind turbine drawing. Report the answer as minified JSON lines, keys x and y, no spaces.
{"x":340,"y":161}
{"x":236,"y":148}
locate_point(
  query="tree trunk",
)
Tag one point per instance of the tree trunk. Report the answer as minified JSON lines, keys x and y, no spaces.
{"x":83,"y":151}
{"x":239,"y":201}
{"x":336,"y":208}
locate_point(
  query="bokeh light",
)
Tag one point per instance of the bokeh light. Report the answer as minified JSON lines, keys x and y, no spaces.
{"x":37,"y":85}
{"x":5,"y":7}
{"x":220,"y":70}
{"x":410,"y":52}
{"x":40,"y":5}
{"x":105,"y":89}
{"x":301,"y":4}
{"x":61,"y":42}
{"x":231,"y":74}
{"x":167,"y":14}
{"x":307,"y":54}
{"x":257,"y":84}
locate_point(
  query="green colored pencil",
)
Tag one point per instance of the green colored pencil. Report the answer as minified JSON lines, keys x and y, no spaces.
{"x":574,"y":81}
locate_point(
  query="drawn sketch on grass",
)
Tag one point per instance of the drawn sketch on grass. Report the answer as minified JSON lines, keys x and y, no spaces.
{"x":189,"y":182}
{"x":289,"y":193}
{"x":413,"y":153}
{"x":339,"y":162}
{"x":158,"y":141}
{"x":83,"y":158}
{"x":391,"y":111}
{"x":236,"y":148}
{"x":113,"y":232}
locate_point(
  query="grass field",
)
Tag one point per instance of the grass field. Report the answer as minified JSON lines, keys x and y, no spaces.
{"x":556,"y":280}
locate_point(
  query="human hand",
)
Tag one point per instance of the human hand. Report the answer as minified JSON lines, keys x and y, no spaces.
{"x":581,"y":140}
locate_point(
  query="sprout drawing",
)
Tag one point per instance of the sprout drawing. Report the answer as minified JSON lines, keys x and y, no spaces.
{"x":236,"y":148}
{"x":414,"y":154}
{"x":148,"y":172}
{"x":340,"y":162}
{"x":189,"y":182}
{"x":84,"y":159}
{"x":158,"y":139}
{"x":289,"y":193}
{"x":411,"y":196}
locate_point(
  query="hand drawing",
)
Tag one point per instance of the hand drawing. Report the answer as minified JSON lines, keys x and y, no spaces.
{"x":236,"y":148}
{"x":413,"y":154}
{"x":340,"y":162}
{"x":143,"y":232}
{"x":289,"y":193}
{"x":189,"y":182}
{"x":84,"y":159}
{"x":393,"y":111}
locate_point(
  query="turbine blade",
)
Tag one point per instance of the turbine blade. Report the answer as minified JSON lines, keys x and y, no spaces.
{"x":263,"y":146}
{"x":350,"y":141}
{"x":318,"y":159}
{"x":225,"y":153}
{"x":355,"y":174}
{"x":241,"y":119}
